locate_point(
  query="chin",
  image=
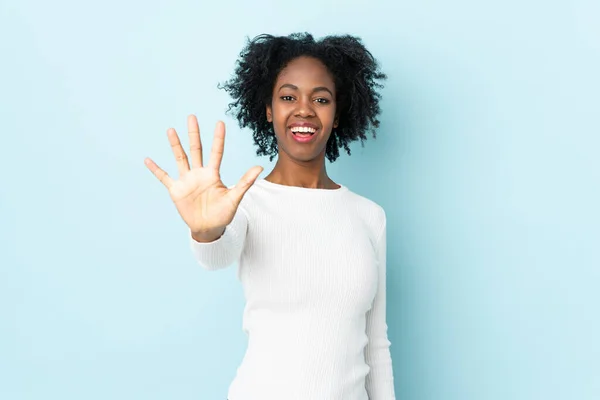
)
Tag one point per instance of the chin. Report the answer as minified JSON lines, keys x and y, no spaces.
{"x":307,"y":158}
{"x":304,"y":156}
{"x":301,"y":152}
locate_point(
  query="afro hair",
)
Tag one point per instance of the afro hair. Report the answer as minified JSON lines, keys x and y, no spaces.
{"x":356,"y":75}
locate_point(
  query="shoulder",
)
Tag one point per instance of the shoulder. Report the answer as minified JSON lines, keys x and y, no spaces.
{"x":371,"y":212}
{"x":366,"y":204}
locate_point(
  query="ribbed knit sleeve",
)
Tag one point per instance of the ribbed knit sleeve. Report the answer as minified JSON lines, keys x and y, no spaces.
{"x":380,"y":380}
{"x":225,"y":250}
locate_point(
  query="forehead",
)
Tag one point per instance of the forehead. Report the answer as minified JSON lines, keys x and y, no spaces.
{"x":306,"y":71}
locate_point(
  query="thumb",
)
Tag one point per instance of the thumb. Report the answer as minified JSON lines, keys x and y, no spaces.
{"x":238,"y":191}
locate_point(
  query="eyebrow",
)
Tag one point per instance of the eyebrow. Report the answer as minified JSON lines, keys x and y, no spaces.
{"x":317,"y":89}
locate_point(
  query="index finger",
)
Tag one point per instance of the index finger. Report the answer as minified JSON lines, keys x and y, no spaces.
{"x":216,"y":153}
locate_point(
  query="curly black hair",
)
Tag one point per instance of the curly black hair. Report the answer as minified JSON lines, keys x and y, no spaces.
{"x":356,"y":74}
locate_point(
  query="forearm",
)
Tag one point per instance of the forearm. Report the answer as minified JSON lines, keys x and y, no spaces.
{"x":380,"y":381}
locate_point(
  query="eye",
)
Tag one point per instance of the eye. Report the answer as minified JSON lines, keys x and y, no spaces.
{"x":287,"y":98}
{"x":322,"y":100}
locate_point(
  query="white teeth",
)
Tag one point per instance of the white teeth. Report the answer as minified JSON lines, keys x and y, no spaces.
{"x":303,"y":129}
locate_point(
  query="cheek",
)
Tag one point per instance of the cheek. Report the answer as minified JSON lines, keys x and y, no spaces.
{"x":328,"y":117}
{"x":279,"y":121}
{"x":280,"y":114}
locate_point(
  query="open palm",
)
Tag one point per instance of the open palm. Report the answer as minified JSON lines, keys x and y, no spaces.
{"x":203,"y":201}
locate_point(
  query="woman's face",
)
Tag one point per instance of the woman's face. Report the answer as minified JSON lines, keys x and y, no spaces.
{"x":303,"y":109}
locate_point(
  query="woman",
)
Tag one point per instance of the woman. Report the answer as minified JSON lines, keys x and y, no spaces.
{"x":311,"y":253}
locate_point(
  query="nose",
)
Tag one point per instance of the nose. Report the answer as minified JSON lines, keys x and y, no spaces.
{"x":305,"y":108}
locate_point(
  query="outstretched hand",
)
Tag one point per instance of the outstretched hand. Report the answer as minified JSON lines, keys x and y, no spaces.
{"x":202,"y":200}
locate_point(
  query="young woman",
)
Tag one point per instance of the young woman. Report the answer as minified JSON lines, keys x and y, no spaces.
{"x":311,"y":253}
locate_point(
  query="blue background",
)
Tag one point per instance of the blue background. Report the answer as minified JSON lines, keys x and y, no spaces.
{"x":486,"y":163}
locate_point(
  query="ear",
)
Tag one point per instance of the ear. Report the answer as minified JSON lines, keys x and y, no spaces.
{"x":336,"y":122}
{"x":269,"y":113}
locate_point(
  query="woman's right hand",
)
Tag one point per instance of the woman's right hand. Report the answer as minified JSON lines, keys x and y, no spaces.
{"x":206,"y":205}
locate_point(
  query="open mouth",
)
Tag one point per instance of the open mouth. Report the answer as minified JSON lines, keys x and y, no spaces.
{"x":303,"y":131}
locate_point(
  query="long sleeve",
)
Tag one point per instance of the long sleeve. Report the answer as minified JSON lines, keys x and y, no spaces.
{"x":380,"y":380}
{"x":225,"y":250}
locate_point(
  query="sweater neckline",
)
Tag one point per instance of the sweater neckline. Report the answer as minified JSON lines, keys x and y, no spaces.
{"x":289,"y":188}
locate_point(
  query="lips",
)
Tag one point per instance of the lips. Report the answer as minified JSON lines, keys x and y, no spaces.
{"x":303,"y":135}
{"x":303,"y":132}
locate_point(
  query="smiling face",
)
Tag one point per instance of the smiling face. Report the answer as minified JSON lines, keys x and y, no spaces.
{"x":303,"y":109}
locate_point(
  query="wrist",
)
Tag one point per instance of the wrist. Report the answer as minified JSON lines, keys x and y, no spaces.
{"x":209,"y":235}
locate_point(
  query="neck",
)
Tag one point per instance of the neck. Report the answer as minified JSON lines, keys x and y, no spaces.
{"x":311,"y":174}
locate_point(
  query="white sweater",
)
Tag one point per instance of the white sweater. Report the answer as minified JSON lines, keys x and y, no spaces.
{"x":312,"y":263}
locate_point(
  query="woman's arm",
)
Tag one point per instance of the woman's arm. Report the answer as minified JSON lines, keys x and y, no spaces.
{"x":226,"y":249}
{"x":380,"y":380}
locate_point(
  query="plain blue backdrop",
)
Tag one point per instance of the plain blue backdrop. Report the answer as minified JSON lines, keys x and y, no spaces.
{"x":486,"y":163}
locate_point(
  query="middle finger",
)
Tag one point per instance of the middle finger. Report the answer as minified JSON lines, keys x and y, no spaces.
{"x":195,"y":142}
